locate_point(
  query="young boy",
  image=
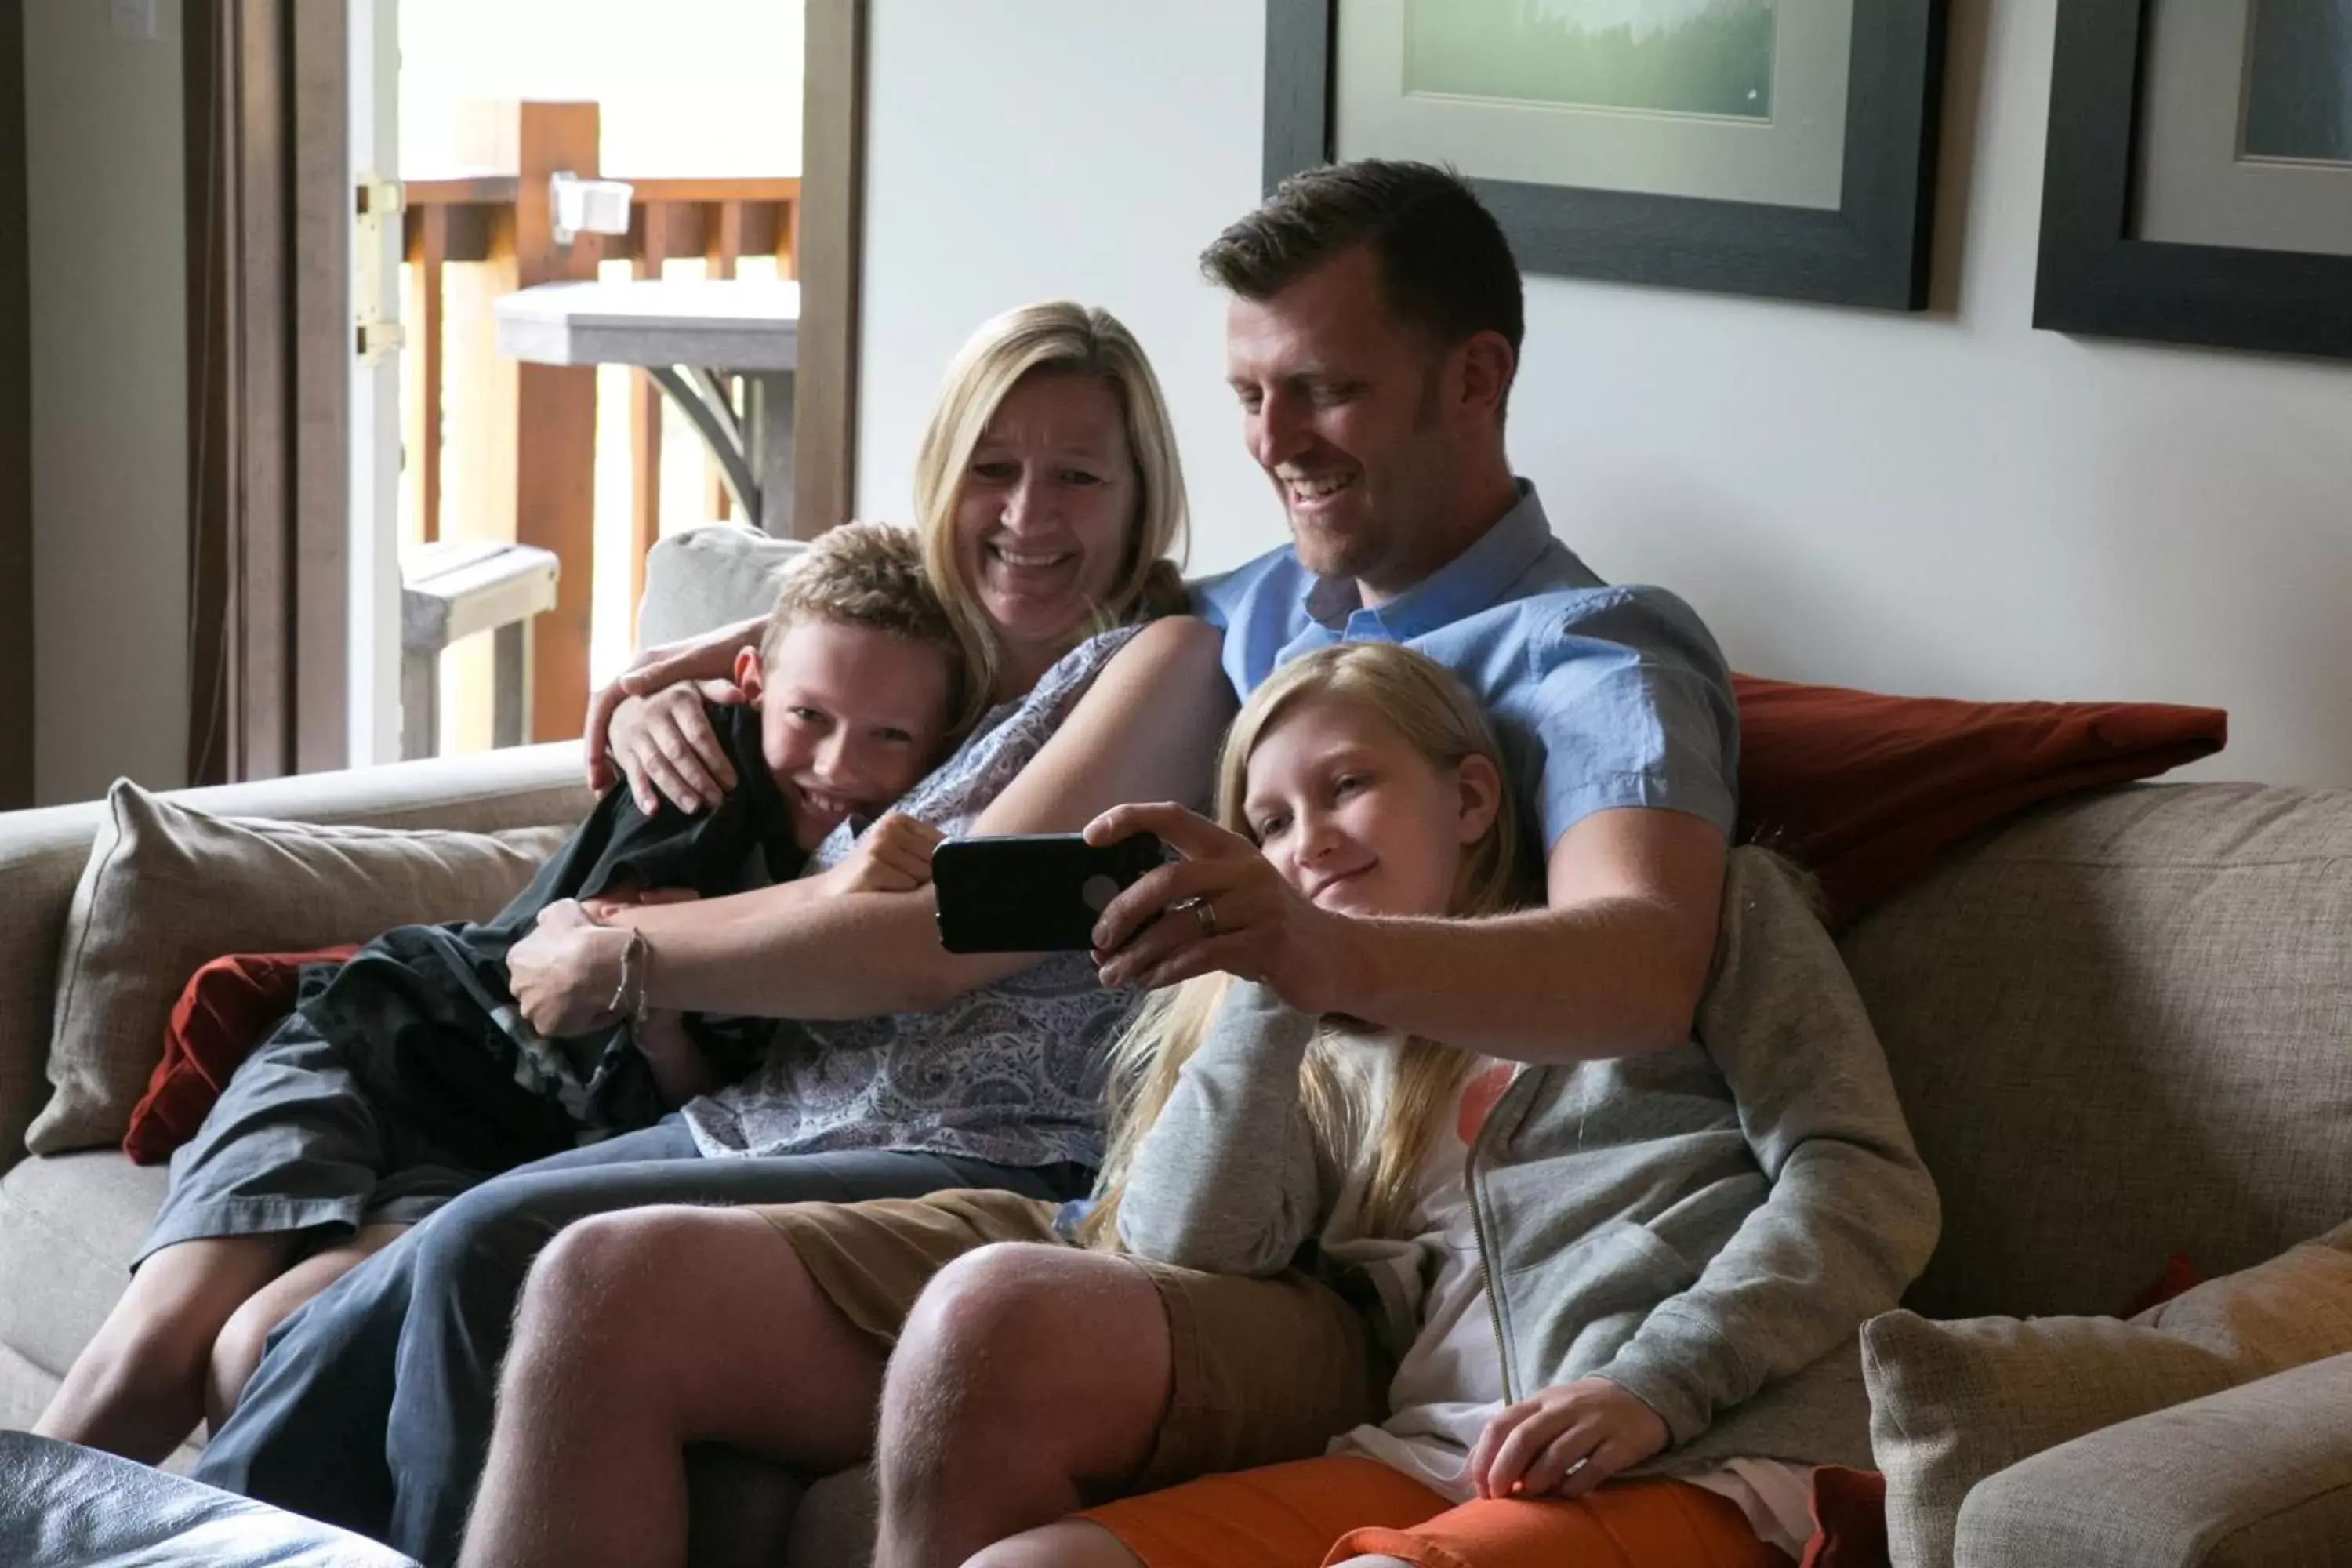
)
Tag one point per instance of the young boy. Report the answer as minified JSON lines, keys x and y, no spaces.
{"x":852,"y":693}
{"x":408,"y":1074}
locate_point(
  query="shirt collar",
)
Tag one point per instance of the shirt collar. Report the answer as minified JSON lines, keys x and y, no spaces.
{"x":1472,"y":580}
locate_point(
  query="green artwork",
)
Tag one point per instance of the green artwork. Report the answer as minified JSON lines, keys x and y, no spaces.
{"x":2299,"y":82}
{"x":1673,"y":57}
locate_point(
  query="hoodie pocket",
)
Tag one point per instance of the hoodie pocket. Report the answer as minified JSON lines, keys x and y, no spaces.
{"x":1572,"y":1310}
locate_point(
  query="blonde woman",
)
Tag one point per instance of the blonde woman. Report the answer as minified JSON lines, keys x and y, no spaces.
{"x":1051,"y":507}
{"x":1360,"y":780}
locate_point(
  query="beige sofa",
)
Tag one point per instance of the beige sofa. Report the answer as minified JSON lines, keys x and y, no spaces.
{"x":2122,"y":1027}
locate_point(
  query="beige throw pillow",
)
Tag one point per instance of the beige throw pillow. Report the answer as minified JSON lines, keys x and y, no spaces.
{"x":169,"y":888}
{"x":1953,"y":1403}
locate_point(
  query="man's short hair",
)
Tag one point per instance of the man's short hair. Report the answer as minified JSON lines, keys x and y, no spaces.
{"x":868,"y":575}
{"x":1443,"y":262}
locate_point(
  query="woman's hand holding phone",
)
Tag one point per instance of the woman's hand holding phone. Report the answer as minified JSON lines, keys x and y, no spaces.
{"x":1222,"y":907}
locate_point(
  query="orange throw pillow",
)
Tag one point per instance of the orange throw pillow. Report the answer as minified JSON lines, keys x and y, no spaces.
{"x":227,"y":1008}
{"x":1865,"y":790}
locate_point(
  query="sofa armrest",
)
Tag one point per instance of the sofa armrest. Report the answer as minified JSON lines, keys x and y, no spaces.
{"x":42,"y":853}
{"x":2259,"y":1476}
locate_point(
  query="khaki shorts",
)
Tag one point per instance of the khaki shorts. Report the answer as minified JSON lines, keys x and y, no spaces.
{"x":1263,"y":1370}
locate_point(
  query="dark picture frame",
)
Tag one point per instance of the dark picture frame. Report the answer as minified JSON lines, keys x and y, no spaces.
{"x":2095,"y":277}
{"x":1872,"y":250}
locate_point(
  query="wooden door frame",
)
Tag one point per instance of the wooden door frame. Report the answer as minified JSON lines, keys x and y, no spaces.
{"x":832,"y":222}
{"x":16,"y":644}
{"x":269,"y":206}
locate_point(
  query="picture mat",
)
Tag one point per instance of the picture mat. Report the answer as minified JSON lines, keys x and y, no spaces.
{"x":1713,"y":58}
{"x":1796,"y":158}
{"x":2191,"y":185}
{"x":2299,"y":80}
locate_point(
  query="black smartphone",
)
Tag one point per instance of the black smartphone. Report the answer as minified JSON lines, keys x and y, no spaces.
{"x":1032,"y":892}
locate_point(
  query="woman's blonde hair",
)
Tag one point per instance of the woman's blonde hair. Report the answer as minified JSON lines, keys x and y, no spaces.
{"x":1428,"y":705}
{"x":1056,"y":338}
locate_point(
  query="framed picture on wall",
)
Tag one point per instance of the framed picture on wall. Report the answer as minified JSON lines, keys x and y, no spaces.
{"x":1775,"y":147}
{"x":2198,"y":185}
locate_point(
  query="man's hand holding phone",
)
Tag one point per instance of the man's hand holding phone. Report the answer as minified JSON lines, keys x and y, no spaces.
{"x":1220,"y":907}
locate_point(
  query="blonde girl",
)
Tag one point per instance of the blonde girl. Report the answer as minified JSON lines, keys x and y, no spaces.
{"x":1576,"y":1268}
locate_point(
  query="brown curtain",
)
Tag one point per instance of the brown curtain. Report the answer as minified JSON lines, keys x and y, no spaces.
{"x":269,"y":343}
{"x":15,"y":428}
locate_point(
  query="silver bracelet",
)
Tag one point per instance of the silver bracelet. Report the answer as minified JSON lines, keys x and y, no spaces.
{"x":629,"y":995}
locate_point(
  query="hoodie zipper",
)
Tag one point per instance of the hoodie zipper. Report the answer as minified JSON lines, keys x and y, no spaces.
{"x":1519,"y":1073}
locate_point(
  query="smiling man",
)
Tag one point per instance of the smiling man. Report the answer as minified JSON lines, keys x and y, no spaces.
{"x":1372,"y":338}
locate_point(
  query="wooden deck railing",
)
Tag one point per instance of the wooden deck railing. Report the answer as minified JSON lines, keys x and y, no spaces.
{"x":531,"y":429}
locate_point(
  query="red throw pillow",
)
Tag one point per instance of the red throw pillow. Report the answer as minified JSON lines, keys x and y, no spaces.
{"x":227,"y":1008}
{"x":2179,"y":1277}
{"x":1865,"y":790}
{"x":1849,"y":1520}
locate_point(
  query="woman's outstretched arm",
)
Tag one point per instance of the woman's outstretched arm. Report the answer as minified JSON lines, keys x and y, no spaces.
{"x":1147,"y":729}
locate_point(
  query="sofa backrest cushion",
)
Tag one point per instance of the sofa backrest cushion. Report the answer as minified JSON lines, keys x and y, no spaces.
{"x":2121,"y":1028}
{"x":707,"y":577}
{"x":168,"y":888}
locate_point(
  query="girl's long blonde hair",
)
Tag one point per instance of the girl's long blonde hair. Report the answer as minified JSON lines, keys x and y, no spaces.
{"x":1057,"y":338}
{"x":1429,"y":706}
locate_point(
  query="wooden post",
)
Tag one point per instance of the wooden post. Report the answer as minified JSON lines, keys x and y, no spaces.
{"x":824,"y":258}
{"x":722,"y":242}
{"x":433,"y":255}
{"x":15,"y":432}
{"x":645,"y":415}
{"x":553,"y":408}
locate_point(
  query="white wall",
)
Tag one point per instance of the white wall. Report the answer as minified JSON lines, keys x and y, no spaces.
{"x":1948,"y":503}
{"x":108,"y":262}
{"x":1059,"y":149}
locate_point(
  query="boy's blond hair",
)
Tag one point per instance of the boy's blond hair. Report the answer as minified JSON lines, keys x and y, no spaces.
{"x":868,"y":575}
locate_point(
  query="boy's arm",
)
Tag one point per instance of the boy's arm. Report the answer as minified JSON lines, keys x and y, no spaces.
{"x":1851,"y":1215}
{"x":703,"y":851}
{"x":1226,"y":1179}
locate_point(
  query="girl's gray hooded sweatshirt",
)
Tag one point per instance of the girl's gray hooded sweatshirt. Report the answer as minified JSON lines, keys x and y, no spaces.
{"x":1706,"y":1227}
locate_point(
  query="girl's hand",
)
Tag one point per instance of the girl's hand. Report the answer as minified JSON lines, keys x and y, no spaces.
{"x":1222,"y":907}
{"x":894,"y":857}
{"x":564,"y":972}
{"x":1590,"y":1427}
{"x":665,"y":745}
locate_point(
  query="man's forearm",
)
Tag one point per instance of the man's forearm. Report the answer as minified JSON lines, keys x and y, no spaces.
{"x":1592,"y":979}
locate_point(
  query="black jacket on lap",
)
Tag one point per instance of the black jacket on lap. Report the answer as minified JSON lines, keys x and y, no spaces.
{"x":424,"y":1018}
